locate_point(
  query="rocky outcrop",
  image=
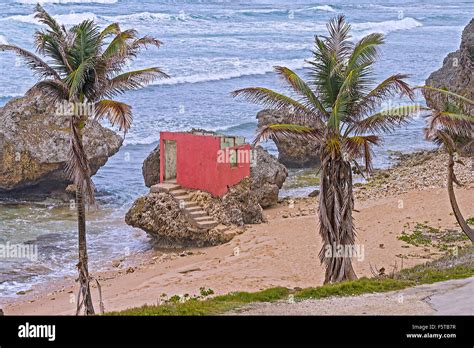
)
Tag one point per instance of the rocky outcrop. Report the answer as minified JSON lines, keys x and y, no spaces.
{"x":267,"y":177}
{"x":237,"y":207}
{"x":34,"y":145}
{"x":151,"y":168}
{"x":456,"y":74}
{"x":293,"y":153}
{"x":160,"y":216}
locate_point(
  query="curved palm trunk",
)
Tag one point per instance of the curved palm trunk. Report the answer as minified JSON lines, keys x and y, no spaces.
{"x":454,"y":204}
{"x":82,"y":266}
{"x":335,"y":216}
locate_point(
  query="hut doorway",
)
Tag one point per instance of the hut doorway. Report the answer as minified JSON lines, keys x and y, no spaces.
{"x":170,"y":160}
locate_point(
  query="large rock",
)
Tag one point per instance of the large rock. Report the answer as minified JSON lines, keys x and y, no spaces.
{"x":293,"y":153}
{"x":151,"y":168}
{"x":267,"y":177}
{"x":456,"y":74}
{"x":237,"y":207}
{"x":34,"y":145}
{"x":160,"y":216}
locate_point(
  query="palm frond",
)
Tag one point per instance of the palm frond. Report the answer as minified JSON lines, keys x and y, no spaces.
{"x":439,"y":91}
{"x":365,"y":51}
{"x":117,"y":113}
{"x":112,"y":29}
{"x":119,"y":45}
{"x":338,"y":41}
{"x":390,"y":87}
{"x":49,"y":45}
{"x":282,"y":131}
{"x":44,"y":17}
{"x":340,"y":105}
{"x":359,"y":146}
{"x":386,"y":120}
{"x":133,"y":80}
{"x":271,"y":99}
{"x":142,"y":43}
{"x":32,"y":61}
{"x":77,"y":79}
{"x":303,"y":89}
{"x":53,"y":90}
{"x":460,"y":125}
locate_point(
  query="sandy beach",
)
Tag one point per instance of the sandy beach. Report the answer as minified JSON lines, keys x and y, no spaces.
{"x":283,"y":251}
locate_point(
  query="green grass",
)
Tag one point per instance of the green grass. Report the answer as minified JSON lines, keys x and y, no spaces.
{"x":443,"y":240}
{"x":470,"y":221}
{"x":448,"y":267}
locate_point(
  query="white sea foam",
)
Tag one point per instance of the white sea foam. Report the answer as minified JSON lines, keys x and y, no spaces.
{"x":34,"y":2}
{"x":387,"y":26}
{"x":66,"y":19}
{"x":3,"y":40}
{"x":141,"y":16}
{"x":326,"y":8}
{"x":239,"y":70}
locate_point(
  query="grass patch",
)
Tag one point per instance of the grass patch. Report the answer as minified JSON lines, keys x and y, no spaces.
{"x":211,"y":306}
{"x":443,"y":240}
{"x":445,"y":268}
{"x":470,"y":221}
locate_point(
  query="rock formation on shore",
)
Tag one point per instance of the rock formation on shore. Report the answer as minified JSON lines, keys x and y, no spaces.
{"x":151,"y":168}
{"x":456,"y":74}
{"x":34,"y":145}
{"x":159,"y":214}
{"x":267,"y":177}
{"x":293,"y":153}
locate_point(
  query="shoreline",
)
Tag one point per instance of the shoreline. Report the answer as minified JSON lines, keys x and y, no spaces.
{"x":281,"y":252}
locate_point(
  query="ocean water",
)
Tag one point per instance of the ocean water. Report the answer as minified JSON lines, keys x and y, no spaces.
{"x":210,"y":49}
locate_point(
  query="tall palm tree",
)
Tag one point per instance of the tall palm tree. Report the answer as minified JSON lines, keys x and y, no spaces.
{"x":85,"y":65}
{"x":340,"y":100}
{"x":451,"y":119}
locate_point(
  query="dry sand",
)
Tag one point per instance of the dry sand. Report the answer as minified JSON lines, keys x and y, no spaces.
{"x":282,"y":252}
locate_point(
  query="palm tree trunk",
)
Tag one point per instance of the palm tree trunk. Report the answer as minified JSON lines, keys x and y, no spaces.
{"x":83,"y":258}
{"x":454,"y":204}
{"x":335,"y":219}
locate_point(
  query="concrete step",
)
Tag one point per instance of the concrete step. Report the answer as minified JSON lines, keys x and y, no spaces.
{"x":193,"y":209}
{"x":206,"y":225}
{"x":178,"y":192}
{"x":204,"y":219}
{"x":196,"y":214}
{"x":175,"y":188}
{"x":164,"y":187}
{"x":188,"y":205}
{"x":183,"y":197}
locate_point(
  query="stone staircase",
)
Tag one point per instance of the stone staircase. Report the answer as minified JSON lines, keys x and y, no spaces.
{"x":194,"y":213}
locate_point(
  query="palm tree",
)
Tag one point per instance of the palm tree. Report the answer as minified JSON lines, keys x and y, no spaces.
{"x":86,"y":66}
{"x":451,"y":120}
{"x":340,"y":100}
